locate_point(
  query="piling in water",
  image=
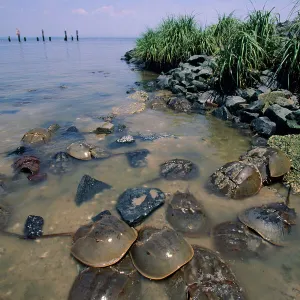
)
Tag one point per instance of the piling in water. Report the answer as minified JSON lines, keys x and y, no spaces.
{"x":49,"y":38}
{"x":72,"y":37}
{"x":18,"y":34}
{"x":25,"y":39}
{"x":43,"y":35}
{"x":66,"y":37}
{"x":9,"y":39}
{"x":77,"y":37}
{"x":37,"y":39}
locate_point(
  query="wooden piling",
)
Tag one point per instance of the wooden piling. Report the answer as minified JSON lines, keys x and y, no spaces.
{"x":72,"y":37}
{"x":49,"y":38}
{"x":43,"y":35}
{"x":18,"y":34}
{"x":37,"y":39}
{"x":25,"y":39}
{"x":9,"y":39}
{"x":66,"y":37}
{"x":77,"y":37}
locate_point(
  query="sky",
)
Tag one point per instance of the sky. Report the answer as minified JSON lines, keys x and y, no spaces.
{"x":116,"y":18}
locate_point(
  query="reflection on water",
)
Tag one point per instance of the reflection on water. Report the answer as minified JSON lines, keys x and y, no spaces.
{"x":44,"y":269}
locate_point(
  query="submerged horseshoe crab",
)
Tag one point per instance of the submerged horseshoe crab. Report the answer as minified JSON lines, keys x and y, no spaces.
{"x":39,"y":135}
{"x":158,"y":253}
{"x":237,"y":180}
{"x":271,"y":163}
{"x":271,"y":221}
{"x":186,"y":215}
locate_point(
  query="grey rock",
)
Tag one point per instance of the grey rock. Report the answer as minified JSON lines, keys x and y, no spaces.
{"x":72,"y":129}
{"x":33,"y":227}
{"x":197,"y":60}
{"x":158,"y":103}
{"x":278,"y":114}
{"x":263,"y":89}
{"x":135,"y":204}
{"x":255,"y":107}
{"x":192,"y":97}
{"x":3,"y":188}
{"x":264,"y":126}
{"x":200,"y":85}
{"x":295,"y":115}
{"x":138,"y":158}
{"x":247,"y":116}
{"x":104,"y":127}
{"x":192,"y":89}
{"x":259,"y":141}
{"x":88,"y":187}
{"x":268,"y":73}
{"x":61,"y":163}
{"x":177,"y":89}
{"x":163,"y":81}
{"x":250,"y":94}
{"x":126,"y":139}
{"x":222,"y":113}
{"x":233,"y":103}
{"x":180,"y":104}
{"x":207,"y":96}
{"x":206,"y":73}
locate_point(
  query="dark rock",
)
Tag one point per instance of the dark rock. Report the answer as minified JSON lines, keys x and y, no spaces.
{"x":255,"y":107}
{"x":278,"y":114}
{"x":129,"y":54}
{"x":249,"y":94}
{"x":158,"y":103}
{"x":36,"y":178}
{"x":207,"y":96}
{"x":248,"y":117}
{"x":258,"y":141}
{"x":61,"y":163}
{"x":206,"y":73}
{"x":121,"y":128}
{"x":88,"y":188}
{"x":134,"y":205}
{"x":164,"y":81}
{"x":180,"y":104}
{"x":295,"y":115}
{"x":72,"y":129}
{"x":192,"y":97}
{"x":264,"y":126}
{"x":177,"y":89}
{"x":200,"y":85}
{"x":19,"y":151}
{"x":263,"y":89}
{"x":27,"y":164}
{"x":101,"y":215}
{"x":222,"y":113}
{"x":233,"y":103}
{"x":138,"y":158}
{"x":197,"y":60}
{"x":33,"y":227}
{"x":178,"y":169}
{"x":192,"y":89}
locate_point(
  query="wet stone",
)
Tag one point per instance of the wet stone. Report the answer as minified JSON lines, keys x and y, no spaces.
{"x":135,"y":204}
{"x":27,"y":164}
{"x":88,"y":188}
{"x":100,"y":215}
{"x":138,"y":158}
{"x":61,"y":163}
{"x":37,"y":178}
{"x":72,"y":129}
{"x":126,"y":140}
{"x":235,"y":240}
{"x":19,"y":151}
{"x":178,"y":169}
{"x":33,"y":227}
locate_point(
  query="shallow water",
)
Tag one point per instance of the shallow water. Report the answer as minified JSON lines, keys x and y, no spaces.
{"x":60,"y":82}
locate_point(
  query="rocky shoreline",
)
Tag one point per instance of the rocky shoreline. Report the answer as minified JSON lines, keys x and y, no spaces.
{"x":264,"y":108}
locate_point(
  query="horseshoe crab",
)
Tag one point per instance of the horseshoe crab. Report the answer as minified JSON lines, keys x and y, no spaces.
{"x":158,"y":253}
{"x":237,"y":180}
{"x":84,"y":151}
{"x":39,"y":135}
{"x":186,"y":215}
{"x":271,"y":221}
{"x":27,"y":164}
{"x":118,"y":282}
{"x":178,"y":169}
{"x":104,"y":242}
{"x":234,"y":239}
{"x":271,"y":162}
{"x":208,"y":277}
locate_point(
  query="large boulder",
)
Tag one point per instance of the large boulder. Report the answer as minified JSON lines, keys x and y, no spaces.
{"x":263,"y":126}
{"x":255,"y":107}
{"x":197,"y":60}
{"x":248,"y":117}
{"x":234,"y":103}
{"x":222,"y":113}
{"x":250,"y":94}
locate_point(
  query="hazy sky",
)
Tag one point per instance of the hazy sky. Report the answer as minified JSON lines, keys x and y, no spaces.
{"x":108,"y":18}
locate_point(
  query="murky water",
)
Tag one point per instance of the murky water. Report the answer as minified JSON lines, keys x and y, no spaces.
{"x":61,"y":82}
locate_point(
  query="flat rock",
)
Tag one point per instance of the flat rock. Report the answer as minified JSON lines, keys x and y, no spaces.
{"x":255,"y":107}
{"x":264,"y":126}
{"x":138,"y":158}
{"x":233,"y":103}
{"x":278,"y":114}
{"x":135,"y":204}
{"x":33,"y":227}
{"x":248,"y":117}
{"x":88,"y":188}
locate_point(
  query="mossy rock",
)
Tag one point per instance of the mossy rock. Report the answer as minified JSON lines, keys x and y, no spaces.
{"x":289,"y":144}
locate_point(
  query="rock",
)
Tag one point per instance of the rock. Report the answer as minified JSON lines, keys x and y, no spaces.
{"x":88,"y":188}
{"x":233,"y":103}
{"x":88,"y":125}
{"x":200,"y":85}
{"x":33,"y":227}
{"x":278,"y":115}
{"x":206,"y":73}
{"x":248,"y":117}
{"x":263,"y":126}
{"x":269,"y":82}
{"x":129,"y":54}
{"x":72,"y":129}
{"x":197,"y":60}
{"x":105,"y":127}
{"x":135,"y":204}
{"x":180,"y":104}
{"x":139,"y":96}
{"x":36,"y":178}
{"x":126,"y":139}
{"x":178,"y":169}
{"x":295,"y":115}
{"x":192,"y":97}
{"x":258,"y":141}
{"x":255,"y":107}
{"x":207,"y":96}
{"x":249,"y":94}
{"x":138,"y":158}
{"x":100,"y":215}
{"x":61,"y":163}
{"x":158,"y":103}
{"x":263,"y":89}
{"x":177,"y":89}
{"x":19,"y":151}
{"x":222,"y":113}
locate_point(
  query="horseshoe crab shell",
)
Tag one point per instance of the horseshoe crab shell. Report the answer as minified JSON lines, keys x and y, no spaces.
{"x":186,"y":215}
{"x":36,"y":135}
{"x":272,"y":221}
{"x":118,"y":282}
{"x":158,"y":253}
{"x":104,"y":242}
{"x":237,"y":180}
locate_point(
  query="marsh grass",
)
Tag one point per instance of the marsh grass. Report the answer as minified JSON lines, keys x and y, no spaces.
{"x":243,"y":48}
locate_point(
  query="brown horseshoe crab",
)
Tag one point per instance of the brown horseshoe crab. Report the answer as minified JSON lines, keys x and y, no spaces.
{"x":118,"y":282}
{"x":158,"y":253}
{"x":84,"y":151}
{"x":237,"y":180}
{"x":39,"y":135}
{"x":186,"y":215}
{"x":271,"y":221}
{"x":104,"y":242}
{"x":271,"y":163}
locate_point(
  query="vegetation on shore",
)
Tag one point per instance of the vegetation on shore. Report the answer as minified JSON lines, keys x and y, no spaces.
{"x":243,"y":48}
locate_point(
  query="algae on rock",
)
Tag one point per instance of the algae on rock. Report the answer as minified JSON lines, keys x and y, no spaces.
{"x":290,"y":144}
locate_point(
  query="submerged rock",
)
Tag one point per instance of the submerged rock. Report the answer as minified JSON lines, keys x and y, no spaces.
{"x":138,"y":158}
{"x":135,"y":204}
{"x":61,"y":163}
{"x":88,"y":188}
{"x":33,"y":227}
{"x":180,"y":105}
{"x":178,"y":169}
